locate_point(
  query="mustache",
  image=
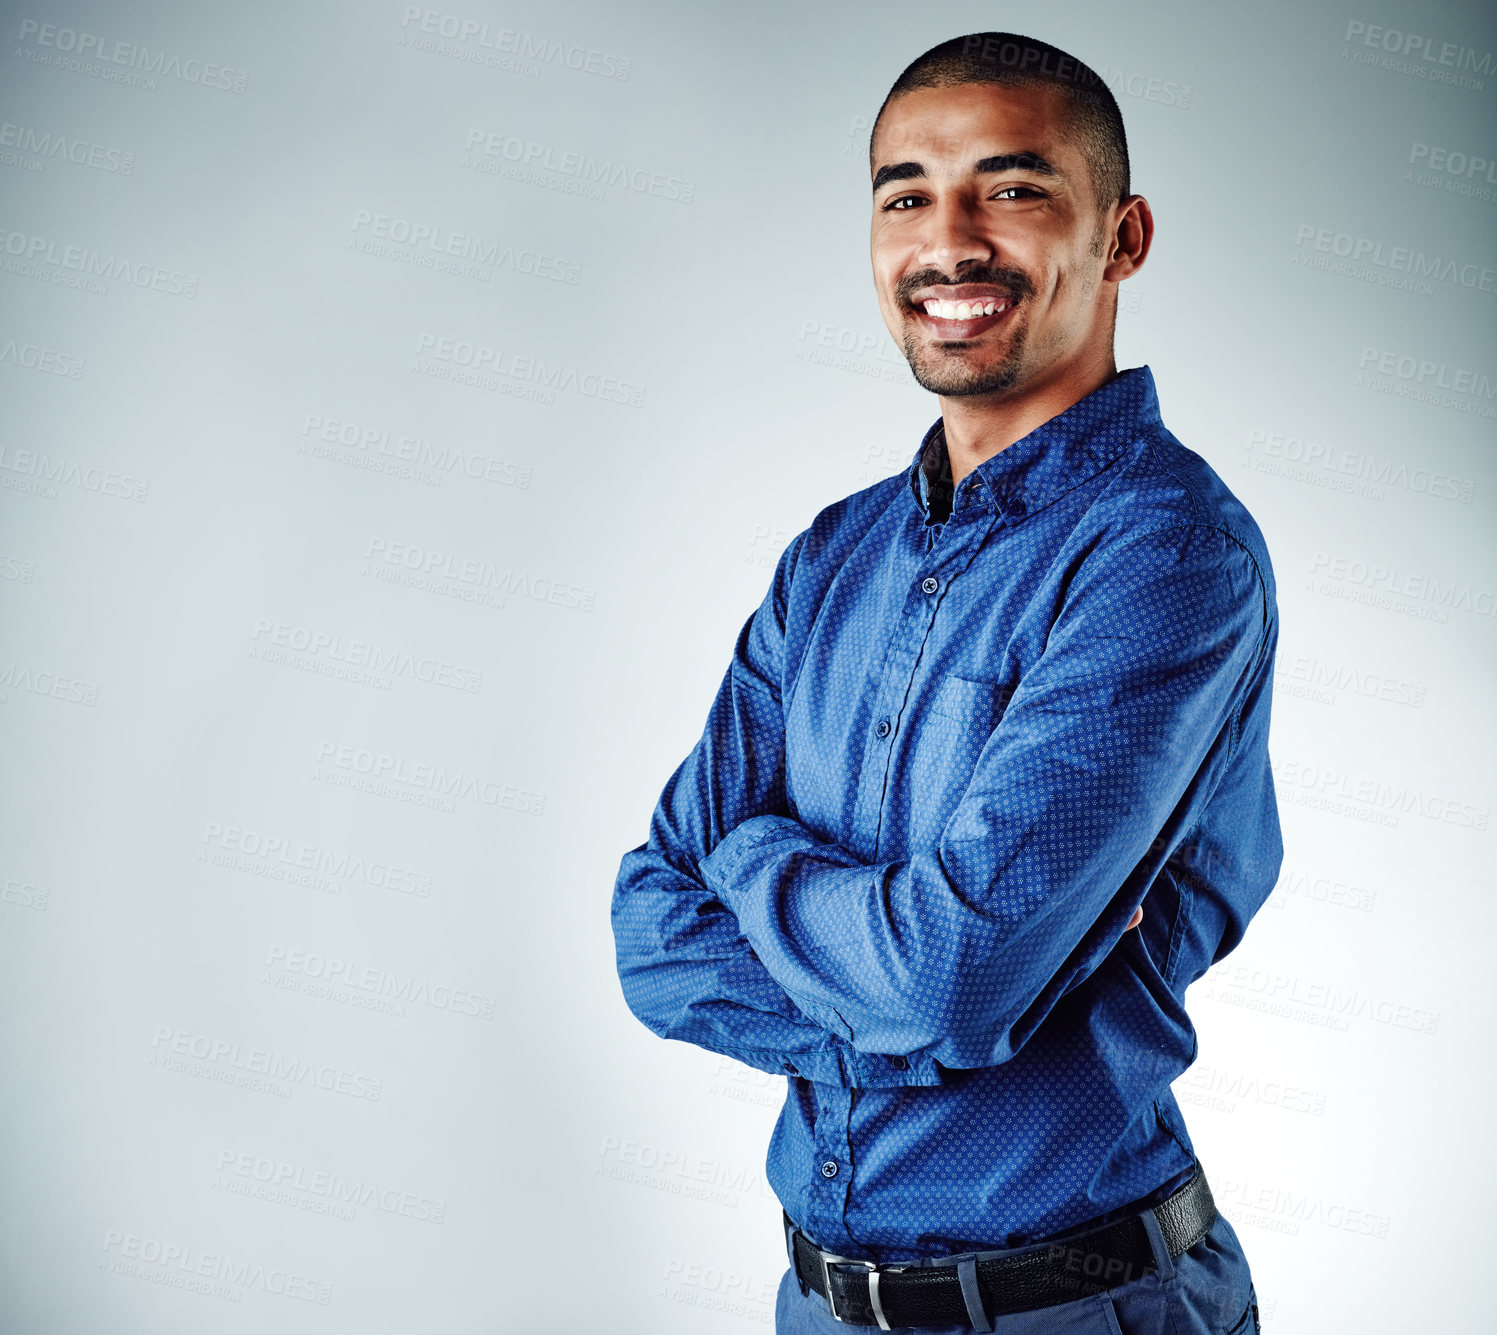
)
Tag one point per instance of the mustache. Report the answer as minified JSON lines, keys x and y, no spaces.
{"x":1015,"y":282}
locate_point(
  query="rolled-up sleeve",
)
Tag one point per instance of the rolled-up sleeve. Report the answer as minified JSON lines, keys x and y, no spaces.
{"x":1113,"y":742}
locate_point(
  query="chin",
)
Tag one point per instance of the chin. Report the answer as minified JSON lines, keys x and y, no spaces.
{"x":958,"y":379}
{"x":957,"y":370}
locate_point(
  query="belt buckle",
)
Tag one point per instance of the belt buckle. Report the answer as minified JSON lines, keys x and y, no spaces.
{"x":829,"y":1259}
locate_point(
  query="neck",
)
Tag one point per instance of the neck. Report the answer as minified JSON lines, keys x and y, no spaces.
{"x":979,"y":426}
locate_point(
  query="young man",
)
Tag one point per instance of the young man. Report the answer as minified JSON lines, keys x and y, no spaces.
{"x":986,"y":783}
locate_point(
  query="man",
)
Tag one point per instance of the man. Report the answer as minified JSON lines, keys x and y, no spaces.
{"x":986,"y":783}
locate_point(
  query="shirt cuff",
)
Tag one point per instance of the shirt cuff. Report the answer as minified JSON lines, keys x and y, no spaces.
{"x":875,"y":1070}
{"x":843,"y":1066}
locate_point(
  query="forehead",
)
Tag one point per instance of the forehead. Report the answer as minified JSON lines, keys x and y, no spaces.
{"x":948,"y":129}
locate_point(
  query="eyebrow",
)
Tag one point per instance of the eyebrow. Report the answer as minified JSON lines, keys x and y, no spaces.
{"x":1002,"y":162}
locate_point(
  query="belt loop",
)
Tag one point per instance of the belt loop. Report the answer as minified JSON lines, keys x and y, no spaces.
{"x":791,"y":1229}
{"x":966,"y":1272}
{"x":1163,"y":1261}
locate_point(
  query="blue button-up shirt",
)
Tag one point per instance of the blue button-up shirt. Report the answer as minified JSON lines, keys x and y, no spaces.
{"x":962,"y":739}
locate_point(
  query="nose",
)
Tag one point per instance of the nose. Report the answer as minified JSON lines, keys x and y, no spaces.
{"x":952,"y":236}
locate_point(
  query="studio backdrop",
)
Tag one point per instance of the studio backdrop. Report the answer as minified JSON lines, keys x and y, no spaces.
{"x":403,"y":408}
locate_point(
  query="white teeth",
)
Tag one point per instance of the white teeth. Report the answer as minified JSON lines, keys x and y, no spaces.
{"x":962,"y":310}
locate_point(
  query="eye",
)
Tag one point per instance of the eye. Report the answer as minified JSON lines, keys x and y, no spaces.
{"x":902,"y":202}
{"x":1023,"y":192}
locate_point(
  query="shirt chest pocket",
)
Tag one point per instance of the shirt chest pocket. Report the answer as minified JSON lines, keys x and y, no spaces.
{"x":944,"y":741}
{"x":971,"y":704}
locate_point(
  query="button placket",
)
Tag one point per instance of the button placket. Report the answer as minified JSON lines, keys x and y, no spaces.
{"x":831,"y":1174}
{"x":921,"y":606}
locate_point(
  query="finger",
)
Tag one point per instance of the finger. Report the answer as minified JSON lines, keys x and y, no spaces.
{"x":1138,"y":917}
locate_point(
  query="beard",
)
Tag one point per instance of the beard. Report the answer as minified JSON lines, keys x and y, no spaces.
{"x":946,"y":374}
{"x":945,"y":371}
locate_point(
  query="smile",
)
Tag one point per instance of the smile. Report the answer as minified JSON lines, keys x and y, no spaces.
{"x":958,"y":321}
{"x":961,"y":311}
{"x":964,"y":310}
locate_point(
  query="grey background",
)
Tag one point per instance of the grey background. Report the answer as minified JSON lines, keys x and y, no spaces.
{"x":188,"y":563}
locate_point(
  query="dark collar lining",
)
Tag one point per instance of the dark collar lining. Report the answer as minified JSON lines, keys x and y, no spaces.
{"x":1062,"y":453}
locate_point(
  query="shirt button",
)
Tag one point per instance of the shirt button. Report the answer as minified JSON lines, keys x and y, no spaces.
{"x":899,"y":1063}
{"x":829,"y":1168}
{"x":883,"y":727}
{"x":930,"y":584}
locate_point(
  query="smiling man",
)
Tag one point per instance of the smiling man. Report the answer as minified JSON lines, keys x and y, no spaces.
{"x":985,"y":786}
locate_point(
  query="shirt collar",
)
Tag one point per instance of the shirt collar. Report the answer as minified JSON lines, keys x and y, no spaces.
{"x":1056,"y":456}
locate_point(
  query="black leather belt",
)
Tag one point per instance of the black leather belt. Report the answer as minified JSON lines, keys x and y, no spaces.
{"x":861,"y":1293}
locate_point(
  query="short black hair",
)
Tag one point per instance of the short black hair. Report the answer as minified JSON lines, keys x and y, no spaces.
{"x":1009,"y":58}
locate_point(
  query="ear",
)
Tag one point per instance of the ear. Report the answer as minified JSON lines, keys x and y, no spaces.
{"x":1129,"y":237}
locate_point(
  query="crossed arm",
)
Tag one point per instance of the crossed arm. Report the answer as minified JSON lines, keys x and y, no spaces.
{"x":688,"y":972}
{"x":741,"y":930}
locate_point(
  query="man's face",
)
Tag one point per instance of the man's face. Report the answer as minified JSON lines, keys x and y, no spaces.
{"x":987,"y":244}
